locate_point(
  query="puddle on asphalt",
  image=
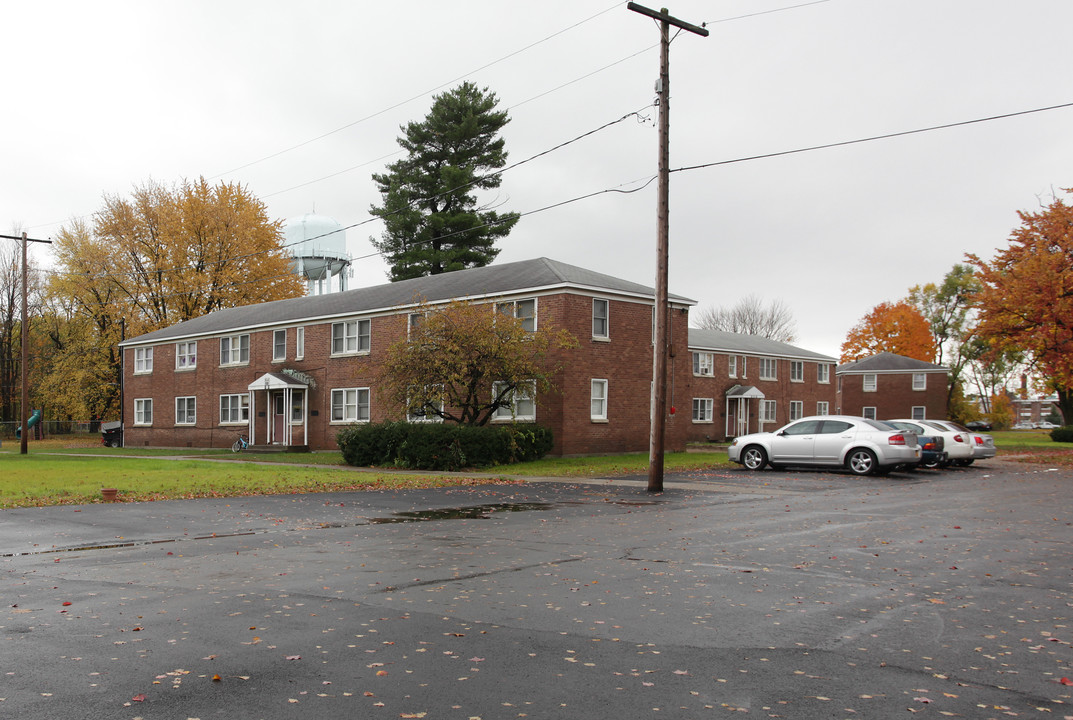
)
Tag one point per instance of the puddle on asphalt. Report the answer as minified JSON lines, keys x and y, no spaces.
{"x":471,"y":512}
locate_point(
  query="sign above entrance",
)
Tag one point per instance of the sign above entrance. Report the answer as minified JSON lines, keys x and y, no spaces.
{"x":301,"y":377}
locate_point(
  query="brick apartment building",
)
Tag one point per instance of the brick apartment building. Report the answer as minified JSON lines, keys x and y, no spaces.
{"x":888,"y":386}
{"x":745,"y":383}
{"x":293,"y":372}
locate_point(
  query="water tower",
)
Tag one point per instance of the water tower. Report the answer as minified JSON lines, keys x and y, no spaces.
{"x":318,"y":246}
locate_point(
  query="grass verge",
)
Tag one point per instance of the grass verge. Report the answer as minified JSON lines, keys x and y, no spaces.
{"x":36,"y":480}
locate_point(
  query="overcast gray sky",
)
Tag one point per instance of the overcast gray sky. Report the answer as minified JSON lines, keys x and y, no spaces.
{"x":302,"y":102}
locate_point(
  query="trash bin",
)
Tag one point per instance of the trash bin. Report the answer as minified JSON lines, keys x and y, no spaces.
{"x":112,"y":434}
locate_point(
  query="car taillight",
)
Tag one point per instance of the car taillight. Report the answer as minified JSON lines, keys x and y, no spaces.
{"x":896,"y":440}
{"x":929,"y":446}
{"x":979,"y":440}
{"x":958,"y":438}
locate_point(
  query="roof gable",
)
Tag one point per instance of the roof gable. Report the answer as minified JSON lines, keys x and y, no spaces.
{"x":740,"y":343}
{"x":888,"y":362}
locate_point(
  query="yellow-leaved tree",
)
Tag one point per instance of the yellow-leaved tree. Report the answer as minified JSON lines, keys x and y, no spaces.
{"x":467,"y":362}
{"x":159,"y":257}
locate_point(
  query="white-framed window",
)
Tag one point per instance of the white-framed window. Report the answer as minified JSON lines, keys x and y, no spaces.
{"x":235,"y":409}
{"x":920,"y":381}
{"x":869,"y":382}
{"x":350,"y":405}
{"x":351,"y":337}
{"x":299,"y":343}
{"x":703,"y":410}
{"x":425,"y":414}
{"x":918,"y":412}
{"x":413,"y":322}
{"x":797,"y":410}
{"x":235,"y":350}
{"x":767,"y":411}
{"x":703,"y":363}
{"x":823,"y":407}
{"x":143,"y":361}
{"x":797,"y":372}
{"x":598,"y":400}
{"x":524,"y":310}
{"x":279,"y":345}
{"x":297,"y":405}
{"x":823,"y":373}
{"x":143,"y":411}
{"x":769,"y":369}
{"x":601,"y":310}
{"x":185,"y":410}
{"x":186,"y":355}
{"x":732,"y":366}
{"x":521,"y":402}
{"x":868,"y":412}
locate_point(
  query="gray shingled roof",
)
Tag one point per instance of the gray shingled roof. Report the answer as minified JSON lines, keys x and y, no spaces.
{"x":540,"y":274}
{"x":889,"y":362}
{"x":720,"y":341}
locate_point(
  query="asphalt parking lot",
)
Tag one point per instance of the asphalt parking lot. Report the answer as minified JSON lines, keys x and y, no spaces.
{"x":774,"y":594}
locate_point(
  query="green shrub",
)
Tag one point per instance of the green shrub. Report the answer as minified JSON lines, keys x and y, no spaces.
{"x":1062,"y":434}
{"x":437,"y":446}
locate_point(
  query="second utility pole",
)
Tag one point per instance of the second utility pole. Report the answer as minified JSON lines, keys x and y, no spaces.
{"x":658,"y":411}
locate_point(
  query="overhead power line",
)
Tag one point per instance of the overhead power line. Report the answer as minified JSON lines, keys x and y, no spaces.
{"x":873,"y":138}
{"x":420,"y":95}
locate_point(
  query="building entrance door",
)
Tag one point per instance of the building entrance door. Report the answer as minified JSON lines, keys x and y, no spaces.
{"x":279,"y":419}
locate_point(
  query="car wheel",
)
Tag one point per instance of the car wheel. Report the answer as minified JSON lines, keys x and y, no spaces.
{"x":754,"y":457}
{"x":931,"y":464}
{"x":861,"y":461}
{"x":114,"y":443}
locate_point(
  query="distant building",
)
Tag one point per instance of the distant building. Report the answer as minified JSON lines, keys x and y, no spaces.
{"x":888,"y":386}
{"x":1035,"y":410}
{"x":747,"y":383}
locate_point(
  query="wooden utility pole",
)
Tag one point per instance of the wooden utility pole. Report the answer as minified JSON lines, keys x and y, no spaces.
{"x":658,"y":411}
{"x":24,"y":411}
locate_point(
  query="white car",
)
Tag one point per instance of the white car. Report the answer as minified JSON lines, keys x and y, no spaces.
{"x":860,"y":445}
{"x":958,"y":443}
{"x":983,"y":445}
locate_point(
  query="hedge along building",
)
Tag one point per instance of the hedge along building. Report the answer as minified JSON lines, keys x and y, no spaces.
{"x":293,"y":372}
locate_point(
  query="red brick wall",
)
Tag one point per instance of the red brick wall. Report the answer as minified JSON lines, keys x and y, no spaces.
{"x":782,"y":390}
{"x":625,"y":360}
{"x":894,"y":396}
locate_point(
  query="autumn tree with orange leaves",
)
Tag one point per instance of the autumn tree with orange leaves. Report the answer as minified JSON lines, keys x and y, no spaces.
{"x":1026,"y":299}
{"x":156,"y":258}
{"x":890,"y":327}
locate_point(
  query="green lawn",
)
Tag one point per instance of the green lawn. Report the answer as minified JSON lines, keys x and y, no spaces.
{"x":1011,"y":439}
{"x":40,"y":479}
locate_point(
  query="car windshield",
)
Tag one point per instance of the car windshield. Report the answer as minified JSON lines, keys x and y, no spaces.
{"x":879,"y":424}
{"x":936,"y":426}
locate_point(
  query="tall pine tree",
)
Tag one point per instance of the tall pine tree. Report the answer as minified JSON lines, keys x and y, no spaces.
{"x":432,"y":221}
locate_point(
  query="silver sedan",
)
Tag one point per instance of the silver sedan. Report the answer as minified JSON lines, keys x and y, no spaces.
{"x":860,"y":445}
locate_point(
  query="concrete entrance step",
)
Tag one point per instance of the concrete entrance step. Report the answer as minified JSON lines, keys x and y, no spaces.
{"x":277,"y":448}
